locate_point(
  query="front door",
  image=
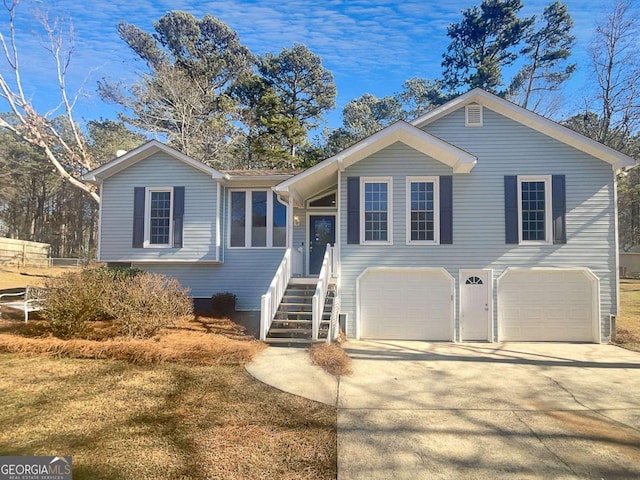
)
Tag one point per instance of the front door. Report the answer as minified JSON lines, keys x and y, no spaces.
{"x":322,"y":230}
{"x":475,"y":304}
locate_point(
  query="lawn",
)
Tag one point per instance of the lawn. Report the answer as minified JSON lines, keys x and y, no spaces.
{"x":628,"y":322}
{"x":161,"y":421}
{"x":177,"y":405}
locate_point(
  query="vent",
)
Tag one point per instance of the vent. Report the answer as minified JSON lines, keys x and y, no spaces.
{"x":473,"y":115}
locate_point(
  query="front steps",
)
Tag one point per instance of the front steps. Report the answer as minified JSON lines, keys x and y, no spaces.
{"x":292,"y":323}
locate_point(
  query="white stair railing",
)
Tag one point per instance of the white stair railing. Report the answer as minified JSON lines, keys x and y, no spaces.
{"x":320,"y":294}
{"x":270,"y":301}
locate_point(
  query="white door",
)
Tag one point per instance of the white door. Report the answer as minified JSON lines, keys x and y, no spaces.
{"x":548,"y":305}
{"x":475,"y":304}
{"x":405,"y":304}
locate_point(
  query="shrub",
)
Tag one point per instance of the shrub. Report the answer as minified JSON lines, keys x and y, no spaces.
{"x":223,"y":304}
{"x":146,"y":302}
{"x":74,"y":299}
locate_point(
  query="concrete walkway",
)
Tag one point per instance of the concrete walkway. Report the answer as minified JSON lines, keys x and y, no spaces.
{"x":414,"y":410}
{"x":291,"y":370}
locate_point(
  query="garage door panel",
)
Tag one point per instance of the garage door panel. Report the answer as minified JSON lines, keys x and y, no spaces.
{"x":554,"y":305}
{"x":405,"y":304}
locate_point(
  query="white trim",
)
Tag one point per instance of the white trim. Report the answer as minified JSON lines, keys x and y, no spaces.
{"x":441,"y":270}
{"x":218,"y":215}
{"x":307,"y":238}
{"x":338,"y":249}
{"x":148,"y":191}
{"x":548,"y":214}
{"x":531,"y":120}
{"x":595,"y":301}
{"x":466,"y":115}
{"x":324,"y":173}
{"x":616,"y":243}
{"x":99,"y":247}
{"x":248,"y":218}
{"x":464,"y":272}
{"x":389,"y":182}
{"x":436,"y":210}
{"x":144,"y":151}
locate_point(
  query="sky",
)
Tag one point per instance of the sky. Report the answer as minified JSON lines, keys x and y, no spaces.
{"x":370,"y":46}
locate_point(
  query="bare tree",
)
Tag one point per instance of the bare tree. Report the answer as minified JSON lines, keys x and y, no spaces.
{"x":616,"y":66}
{"x":62,"y":142}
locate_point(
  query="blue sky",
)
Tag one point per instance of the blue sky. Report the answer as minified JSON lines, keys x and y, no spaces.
{"x":369,"y":45}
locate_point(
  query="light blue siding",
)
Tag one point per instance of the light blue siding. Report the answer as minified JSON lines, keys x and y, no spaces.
{"x":244,"y":273}
{"x":158,"y":170}
{"x":503,"y":147}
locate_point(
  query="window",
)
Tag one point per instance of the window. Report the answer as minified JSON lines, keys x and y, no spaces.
{"x":325,"y":201}
{"x":423,"y":210}
{"x":257,"y":219}
{"x":375,"y":205}
{"x":534,"y":209}
{"x":158,"y":216}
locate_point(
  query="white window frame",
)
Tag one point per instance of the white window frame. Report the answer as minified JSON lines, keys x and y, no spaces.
{"x":548,"y":214}
{"x":389,"y":182}
{"x":436,"y":210}
{"x":248,"y":218}
{"x":147,"y":217}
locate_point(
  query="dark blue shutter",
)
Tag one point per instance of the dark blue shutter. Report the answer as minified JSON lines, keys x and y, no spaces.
{"x":178,"y":214}
{"x":446,"y":209}
{"x":138,"y":217}
{"x":558,"y":209}
{"x":511,"y":208}
{"x":353,"y":210}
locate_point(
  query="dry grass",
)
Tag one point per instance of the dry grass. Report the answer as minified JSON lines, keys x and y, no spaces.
{"x":628,"y":322}
{"x":166,"y":421}
{"x":14,"y":277}
{"x":331,"y":357}
{"x":199,"y":341}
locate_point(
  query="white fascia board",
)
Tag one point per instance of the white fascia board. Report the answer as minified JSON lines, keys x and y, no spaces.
{"x":459,"y":160}
{"x":531,"y":120}
{"x":140,"y":153}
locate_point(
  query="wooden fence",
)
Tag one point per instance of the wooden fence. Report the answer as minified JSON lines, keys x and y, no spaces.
{"x":19,"y":253}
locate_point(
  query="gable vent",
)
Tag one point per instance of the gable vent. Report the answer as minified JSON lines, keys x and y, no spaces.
{"x":473,"y":115}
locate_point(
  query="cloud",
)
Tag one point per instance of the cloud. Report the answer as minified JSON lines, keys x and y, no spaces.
{"x":369,"y":45}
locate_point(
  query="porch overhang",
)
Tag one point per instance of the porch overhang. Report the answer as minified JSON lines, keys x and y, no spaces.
{"x":325,"y":174}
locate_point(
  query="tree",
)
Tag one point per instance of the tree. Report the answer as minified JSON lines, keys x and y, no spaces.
{"x":367,"y":114}
{"x":305,"y":88}
{"x":106,"y":137}
{"x":616,"y":71}
{"x":65,"y":150}
{"x":420,"y":95}
{"x":185,"y":94}
{"x":546,"y":51}
{"x":483,"y":43}
{"x":268,"y":129}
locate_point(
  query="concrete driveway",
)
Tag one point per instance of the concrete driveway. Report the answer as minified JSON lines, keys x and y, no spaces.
{"x":417,"y":410}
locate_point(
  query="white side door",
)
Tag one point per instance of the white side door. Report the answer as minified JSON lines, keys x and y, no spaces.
{"x":476,"y":312}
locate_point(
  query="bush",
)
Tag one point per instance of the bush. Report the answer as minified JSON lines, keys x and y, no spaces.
{"x":144,"y":303}
{"x":140,"y":303}
{"x":223,"y":304}
{"x":74,"y":299}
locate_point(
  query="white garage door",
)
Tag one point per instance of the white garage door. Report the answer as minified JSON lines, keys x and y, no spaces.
{"x":548,"y":305}
{"x":406,"y":304}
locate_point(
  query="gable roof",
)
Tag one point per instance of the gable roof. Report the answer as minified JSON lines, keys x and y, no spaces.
{"x":140,"y":153}
{"x":325,"y":173}
{"x":532,"y":120}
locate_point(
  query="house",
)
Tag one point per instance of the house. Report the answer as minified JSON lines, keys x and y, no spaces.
{"x":480,"y":221}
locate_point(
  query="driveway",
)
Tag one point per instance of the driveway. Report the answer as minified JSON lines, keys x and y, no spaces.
{"x":417,"y":410}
